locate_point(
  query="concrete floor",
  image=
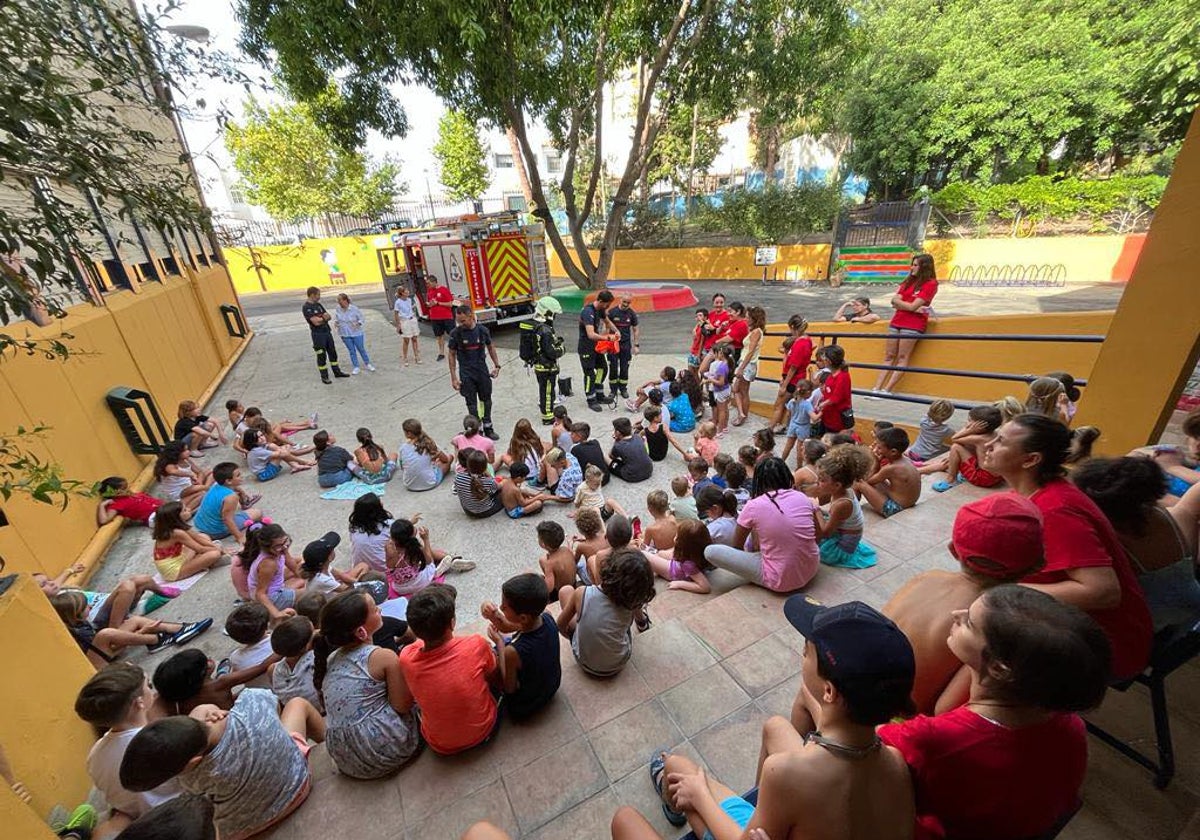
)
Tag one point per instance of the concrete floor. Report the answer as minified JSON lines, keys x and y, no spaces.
{"x":703,"y":679}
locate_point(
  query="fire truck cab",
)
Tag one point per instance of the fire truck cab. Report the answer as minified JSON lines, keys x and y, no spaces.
{"x":494,"y":262}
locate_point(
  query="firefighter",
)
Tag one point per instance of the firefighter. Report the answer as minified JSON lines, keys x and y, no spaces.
{"x":626,"y":320}
{"x":594,"y":326}
{"x":541,"y":349}
{"x":322,"y":336}
{"x":466,"y":349}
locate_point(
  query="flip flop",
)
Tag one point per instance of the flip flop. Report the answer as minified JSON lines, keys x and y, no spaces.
{"x":658,"y":766}
{"x":738,"y":421}
{"x":943,"y":486}
{"x":169,"y":591}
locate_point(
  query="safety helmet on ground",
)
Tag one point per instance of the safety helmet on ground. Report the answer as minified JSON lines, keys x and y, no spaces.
{"x":547,"y":306}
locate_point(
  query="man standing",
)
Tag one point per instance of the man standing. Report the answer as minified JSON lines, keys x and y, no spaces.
{"x":322,"y":336}
{"x":468,"y":343}
{"x":440,"y":302}
{"x":594,"y":364}
{"x":541,"y":349}
{"x":626,"y":320}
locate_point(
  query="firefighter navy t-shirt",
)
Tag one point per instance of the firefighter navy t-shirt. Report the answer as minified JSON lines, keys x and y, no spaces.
{"x":589,"y":317}
{"x":470,"y":348}
{"x":624,"y":320}
{"x":311,"y":310}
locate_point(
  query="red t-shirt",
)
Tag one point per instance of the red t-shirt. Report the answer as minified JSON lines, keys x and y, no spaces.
{"x":135,"y":506}
{"x":439,"y":299}
{"x":717,"y":320}
{"x":903,"y":320}
{"x":697,"y":340}
{"x":1079,"y":536}
{"x":836,"y":398}
{"x":799,"y":357}
{"x":977,"y":779}
{"x":736,"y":331}
{"x":450,"y":685}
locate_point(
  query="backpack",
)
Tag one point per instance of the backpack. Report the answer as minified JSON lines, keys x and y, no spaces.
{"x":528,"y":349}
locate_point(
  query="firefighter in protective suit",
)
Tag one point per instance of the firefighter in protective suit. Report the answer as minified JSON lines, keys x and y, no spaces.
{"x":541,"y":349}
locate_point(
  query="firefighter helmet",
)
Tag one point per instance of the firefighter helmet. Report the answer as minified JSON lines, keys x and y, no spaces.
{"x":547,"y":306}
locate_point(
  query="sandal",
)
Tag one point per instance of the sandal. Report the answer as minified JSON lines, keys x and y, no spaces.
{"x":658,"y":766}
{"x":943,"y":486}
{"x":739,"y":421}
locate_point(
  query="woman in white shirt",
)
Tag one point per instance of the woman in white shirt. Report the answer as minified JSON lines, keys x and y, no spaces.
{"x":407,"y":325}
{"x":350,"y":323}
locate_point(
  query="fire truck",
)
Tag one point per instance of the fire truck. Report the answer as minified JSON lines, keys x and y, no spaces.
{"x":494,"y":262}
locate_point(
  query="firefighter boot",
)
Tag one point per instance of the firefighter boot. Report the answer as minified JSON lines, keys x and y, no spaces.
{"x":564,"y":386}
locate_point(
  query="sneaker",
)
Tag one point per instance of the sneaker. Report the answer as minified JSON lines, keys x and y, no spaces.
{"x":460,"y":565}
{"x":80,"y":824}
{"x":643,"y":622}
{"x":441,"y":356}
{"x":630,"y":405}
{"x":165,"y":640}
{"x":191,"y":631}
{"x":312,"y":418}
{"x":490,"y":432}
{"x":371,"y":368}
{"x":251,"y":500}
{"x":354,"y":371}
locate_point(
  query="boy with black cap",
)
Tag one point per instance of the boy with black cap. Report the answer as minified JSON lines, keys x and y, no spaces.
{"x":996,"y":540}
{"x":837,"y":779}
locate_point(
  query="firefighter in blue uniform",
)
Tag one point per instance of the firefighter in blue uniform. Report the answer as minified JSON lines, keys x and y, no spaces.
{"x":467,"y":350}
{"x":626,"y":321}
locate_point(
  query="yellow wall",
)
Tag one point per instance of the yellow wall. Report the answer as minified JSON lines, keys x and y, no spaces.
{"x":167,"y":339}
{"x":986,"y":356}
{"x":46,"y":743}
{"x":300,"y":266}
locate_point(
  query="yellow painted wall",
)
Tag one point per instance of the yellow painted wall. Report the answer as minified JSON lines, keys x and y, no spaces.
{"x":987,"y":356}
{"x":46,"y":743}
{"x":163,"y":339}
{"x":300,"y":266}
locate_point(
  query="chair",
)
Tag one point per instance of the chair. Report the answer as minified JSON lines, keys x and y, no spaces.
{"x":1173,"y":646}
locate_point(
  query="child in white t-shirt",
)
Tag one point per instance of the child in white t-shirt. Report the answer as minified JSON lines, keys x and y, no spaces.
{"x":247,"y":625}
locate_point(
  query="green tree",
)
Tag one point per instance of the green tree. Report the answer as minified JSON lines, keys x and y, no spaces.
{"x":461,"y":155}
{"x":548,"y":60}
{"x":292,"y":167}
{"x":689,"y":143}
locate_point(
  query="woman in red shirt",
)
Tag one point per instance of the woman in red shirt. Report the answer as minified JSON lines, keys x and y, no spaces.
{"x":1085,"y":562}
{"x":836,"y":401}
{"x":795,"y":367}
{"x":911,"y":302}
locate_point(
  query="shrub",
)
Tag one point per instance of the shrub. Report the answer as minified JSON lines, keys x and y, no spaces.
{"x":774,"y":212}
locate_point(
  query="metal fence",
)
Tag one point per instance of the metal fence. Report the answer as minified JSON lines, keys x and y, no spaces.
{"x":1002,"y":276}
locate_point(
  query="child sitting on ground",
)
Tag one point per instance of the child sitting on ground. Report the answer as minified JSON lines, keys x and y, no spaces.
{"x":931,"y":440}
{"x":375,"y":466}
{"x":273,"y":576}
{"x":686,"y":566}
{"x":735,"y":481}
{"x":529,"y":668}
{"x":115,"y":701}
{"x":590,"y":538}
{"x":654,"y":431}
{"x":896,"y":485}
{"x":587,"y":450}
{"x":277,"y":433}
{"x":839,"y":533}
{"x":292,"y":675}
{"x":179,"y":551}
{"x":334,"y":464}
{"x":800,"y":420}
{"x":372,"y":731}
{"x":183,"y":682}
{"x":719,"y":509}
{"x":517,"y":499}
{"x":472,"y":437}
{"x":558,"y":563}
{"x":560,"y":430}
{"x":704,"y":442}
{"x":448,"y":675}
{"x":235,"y":412}
{"x":178,"y":479}
{"x":477,"y":491}
{"x":598,"y":619}
{"x":618,"y":534}
{"x":265,"y":459}
{"x":683,"y":506}
{"x":87,"y":620}
{"x":316,"y":567}
{"x":764,"y":445}
{"x":524,"y":447}
{"x":961,"y":463}
{"x":660,"y":534}
{"x":662,"y":385}
{"x":721,"y":463}
{"x":590,"y":494}
{"x":413,"y":563}
{"x":630,"y":461}
{"x":195,"y":430}
{"x":698,"y":475}
{"x":116,"y":500}
{"x":220,"y":513}
{"x":561,"y":475}
{"x":248,"y":761}
{"x":805,"y":478}
{"x":248,"y":625}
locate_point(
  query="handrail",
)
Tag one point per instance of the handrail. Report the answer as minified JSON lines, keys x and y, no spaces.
{"x":1068,"y":339}
{"x":968,"y":374}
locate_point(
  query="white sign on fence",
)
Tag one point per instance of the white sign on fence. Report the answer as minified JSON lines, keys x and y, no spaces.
{"x":766,"y":255}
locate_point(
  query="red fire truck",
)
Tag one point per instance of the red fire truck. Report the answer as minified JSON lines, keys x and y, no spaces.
{"x":494,"y":262}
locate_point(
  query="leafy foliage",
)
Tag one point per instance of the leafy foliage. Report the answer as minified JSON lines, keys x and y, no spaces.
{"x":293,"y":168}
{"x":548,"y":60}
{"x":461,"y":155}
{"x":22,"y":471}
{"x":774,"y":212}
{"x":672,"y":158}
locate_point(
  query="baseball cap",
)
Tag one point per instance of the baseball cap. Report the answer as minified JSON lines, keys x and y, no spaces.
{"x":318,"y":551}
{"x":999,"y":536}
{"x":861,"y":651}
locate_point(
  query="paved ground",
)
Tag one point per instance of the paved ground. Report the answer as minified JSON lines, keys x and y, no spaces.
{"x":703,"y":679}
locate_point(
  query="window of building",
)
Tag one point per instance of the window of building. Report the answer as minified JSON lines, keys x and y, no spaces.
{"x":516,"y":203}
{"x":503,"y":161}
{"x":554,"y":161}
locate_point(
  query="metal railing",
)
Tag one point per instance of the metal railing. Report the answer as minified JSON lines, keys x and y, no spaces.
{"x":1003,"y":276}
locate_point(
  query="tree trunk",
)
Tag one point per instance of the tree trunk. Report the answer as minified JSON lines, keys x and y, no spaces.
{"x":519,"y":163}
{"x":770,"y":139}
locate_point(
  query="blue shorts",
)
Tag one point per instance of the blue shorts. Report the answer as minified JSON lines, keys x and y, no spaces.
{"x":890,"y":508}
{"x":270,"y":472}
{"x":693,"y":361}
{"x":796,"y":430}
{"x":738,"y":810}
{"x":905,"y":332}
{"x":516,"y":513}
{"x":1177,"y":486}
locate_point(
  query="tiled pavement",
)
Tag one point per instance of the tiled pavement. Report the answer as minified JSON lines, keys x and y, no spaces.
{"x":703,"y":680}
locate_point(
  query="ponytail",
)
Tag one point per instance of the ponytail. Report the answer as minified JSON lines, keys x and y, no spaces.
{"x":374,"y":452}
{"x":340,"y":619}
{"x":477,"y":466}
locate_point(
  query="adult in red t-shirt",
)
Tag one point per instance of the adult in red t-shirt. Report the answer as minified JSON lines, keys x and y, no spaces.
{"x":795,"y":367}
{"x":439,"y":301}
{"x":1085,"y":563}
{"x":1010,"y":763}
{"x":911,"y":302}
{"x":718,"y":317}
{"x":835,"y":395}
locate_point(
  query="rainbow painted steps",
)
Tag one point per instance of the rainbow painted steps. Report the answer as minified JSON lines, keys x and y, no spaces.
{"x":647,"y":297}
{"x":876,"y":264}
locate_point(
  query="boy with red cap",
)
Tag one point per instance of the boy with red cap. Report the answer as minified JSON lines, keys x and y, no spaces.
{"x":996,"y":539}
